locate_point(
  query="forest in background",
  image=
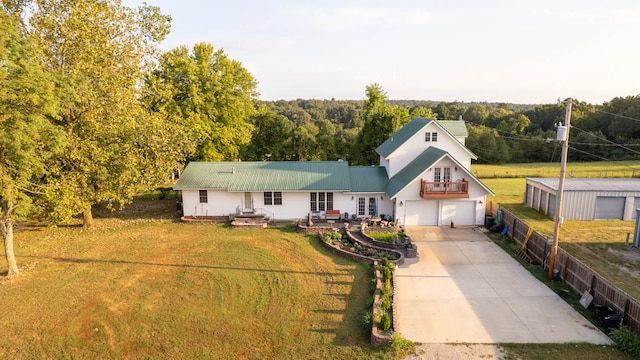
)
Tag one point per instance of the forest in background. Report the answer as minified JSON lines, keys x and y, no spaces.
{"x":498,"y":132}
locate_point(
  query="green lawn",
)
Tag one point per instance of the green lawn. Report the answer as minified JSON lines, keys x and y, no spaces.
{"x":142,"y":288}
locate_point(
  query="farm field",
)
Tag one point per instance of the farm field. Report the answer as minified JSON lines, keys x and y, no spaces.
{"x":145,"y":288}
{"x":574,"y":169}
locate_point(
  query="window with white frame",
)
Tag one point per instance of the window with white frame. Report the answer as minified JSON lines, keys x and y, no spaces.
{"x":321,"y":201}
{"x":431,"y":136}
{"x":273,"y":198}
{"x":203,"y":196}
{"x":268,"y":198}
{"x":446,"y":174}
{"x":437,"y":175}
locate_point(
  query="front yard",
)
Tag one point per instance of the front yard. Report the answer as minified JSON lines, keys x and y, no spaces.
{"x":143,"y":288}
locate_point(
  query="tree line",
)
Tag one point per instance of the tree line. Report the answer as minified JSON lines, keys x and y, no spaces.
{"x":498,"y":132}
{"x":91,"y":111}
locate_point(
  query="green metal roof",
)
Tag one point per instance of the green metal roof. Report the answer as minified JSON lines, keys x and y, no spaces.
{"x":411,"y":172}
{"x":402,"y":135}
{"x":368,"y":178}
{"x":456,"y":128}
{"x":266,"y":176}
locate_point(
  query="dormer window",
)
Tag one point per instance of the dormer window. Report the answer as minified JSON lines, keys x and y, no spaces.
{"x":431,"y":137}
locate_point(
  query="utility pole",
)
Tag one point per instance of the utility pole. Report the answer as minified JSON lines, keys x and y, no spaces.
{"x":563,"y":167}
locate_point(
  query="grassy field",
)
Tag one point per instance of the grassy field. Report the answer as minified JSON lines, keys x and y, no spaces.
{"x":142,"y":288}
{"x":574,"y":169}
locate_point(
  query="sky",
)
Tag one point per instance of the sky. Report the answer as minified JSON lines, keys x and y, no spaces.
{"x":526,"y":52}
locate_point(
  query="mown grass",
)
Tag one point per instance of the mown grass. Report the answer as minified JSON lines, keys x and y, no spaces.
{"x":575,"y":169}
{"x":143,"y":288}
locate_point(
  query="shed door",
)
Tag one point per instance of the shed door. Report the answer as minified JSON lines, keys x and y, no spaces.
{"x":609,"y":208}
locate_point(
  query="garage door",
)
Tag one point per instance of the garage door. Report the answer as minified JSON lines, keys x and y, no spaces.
{"x":421,"y":212}
{"x":609,"y":208}
{"x":462,"y":212}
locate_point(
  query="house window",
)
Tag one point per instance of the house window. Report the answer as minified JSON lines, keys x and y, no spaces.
{"x":431,"y":137}
{"x":273,"y":198}
{"x":203,"y":196}
{"x":361,"y":206}
{"x":321,"y":201}
{"x":446,"y":174}
{"x":436,"y":175}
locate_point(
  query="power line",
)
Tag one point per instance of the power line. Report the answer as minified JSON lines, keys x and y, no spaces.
{"x":594,"y":155}
{"x":607,"y":140}
{"x":617,"y":115}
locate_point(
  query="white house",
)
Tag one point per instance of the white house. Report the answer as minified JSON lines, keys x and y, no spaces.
{"x":423,"y":179}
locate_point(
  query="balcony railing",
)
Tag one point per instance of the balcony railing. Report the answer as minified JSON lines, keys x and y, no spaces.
{"x":444,"y":190}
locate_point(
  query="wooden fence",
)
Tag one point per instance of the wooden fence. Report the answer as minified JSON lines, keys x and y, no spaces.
{"x":576,"y":274}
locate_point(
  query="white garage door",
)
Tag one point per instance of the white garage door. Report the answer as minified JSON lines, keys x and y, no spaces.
{"x":461,"y":212}
{"x":421,"y":212}
{"x":609,"y":208}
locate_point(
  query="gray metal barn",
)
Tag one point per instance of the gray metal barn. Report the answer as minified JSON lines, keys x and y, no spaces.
{"x":585,"y":199}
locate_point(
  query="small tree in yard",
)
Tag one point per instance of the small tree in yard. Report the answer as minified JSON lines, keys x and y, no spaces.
{"x":27,"y":138}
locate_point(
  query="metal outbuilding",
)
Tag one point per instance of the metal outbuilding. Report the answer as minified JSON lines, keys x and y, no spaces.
{"x":585,"y":198}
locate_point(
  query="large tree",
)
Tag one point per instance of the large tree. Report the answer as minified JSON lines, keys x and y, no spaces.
{"x":210,"y":95}
{"x":381,"y":120}
{"x":27,"y":138}
{"x":99,"y":50}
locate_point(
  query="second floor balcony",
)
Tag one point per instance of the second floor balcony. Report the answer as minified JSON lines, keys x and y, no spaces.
{"x":444,"y":190}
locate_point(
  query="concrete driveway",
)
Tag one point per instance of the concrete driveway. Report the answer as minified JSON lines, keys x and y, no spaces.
{"x":462,"y":288}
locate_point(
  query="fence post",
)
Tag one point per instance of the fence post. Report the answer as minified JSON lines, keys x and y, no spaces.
{"x":624,"y":313}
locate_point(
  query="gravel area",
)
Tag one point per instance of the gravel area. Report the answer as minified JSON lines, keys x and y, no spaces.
{"x":457,"y":352}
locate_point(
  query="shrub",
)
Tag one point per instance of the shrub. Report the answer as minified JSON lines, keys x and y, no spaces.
{"x":385,"y":304}
{"x":385,"y":322}
{"x":385,"y":261}
{"x":401,"y":347}
{"x":367,"y":320}
{"x":386,"y":274}
{"x":626,"y":340}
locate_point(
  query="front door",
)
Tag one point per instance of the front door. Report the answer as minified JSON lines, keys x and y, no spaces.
{"x":248,"y":201}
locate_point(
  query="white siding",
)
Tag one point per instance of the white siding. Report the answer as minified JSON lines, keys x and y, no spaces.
{"x":470,"y":212}
{"x":416,"y":145}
